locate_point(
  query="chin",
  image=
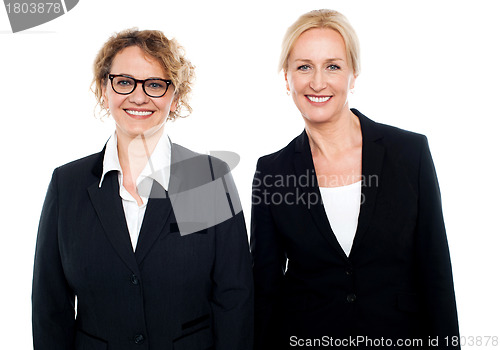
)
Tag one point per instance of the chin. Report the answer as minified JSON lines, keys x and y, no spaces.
{"x":318,"y":119}
{"x":140,"y":128}
{"x":131,"y":131}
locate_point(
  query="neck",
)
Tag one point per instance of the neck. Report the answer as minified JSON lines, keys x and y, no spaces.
{"x":335,"y":136}
{"x":134,"y":152}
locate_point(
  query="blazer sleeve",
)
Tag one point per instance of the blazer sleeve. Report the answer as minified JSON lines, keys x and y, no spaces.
{"x":53,"y":301}
{"x":269,"y":265}
{"x":433,"y":258}
{"x":232,"y":301}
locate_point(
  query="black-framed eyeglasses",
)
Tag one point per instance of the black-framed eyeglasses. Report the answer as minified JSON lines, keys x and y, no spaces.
{"x":153,"y":87}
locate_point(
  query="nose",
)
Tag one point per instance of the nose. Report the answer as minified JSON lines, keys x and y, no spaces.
{"x":138,"y":96}
{"x":318,"y":81}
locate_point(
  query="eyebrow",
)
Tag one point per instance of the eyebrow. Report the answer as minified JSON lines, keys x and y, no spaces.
{"x":131,"y":76}
{"x":310,"y":61}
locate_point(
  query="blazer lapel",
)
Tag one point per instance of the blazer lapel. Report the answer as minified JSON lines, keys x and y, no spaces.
{"x":158,"y":211}
{"x":304,"y":166}
{"x":108,"y":206}
{"x":176,"y":164}
{"x":372,"y":160}
{"x":160,"y":206}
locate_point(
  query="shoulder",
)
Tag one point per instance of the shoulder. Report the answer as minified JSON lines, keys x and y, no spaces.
{"x":182,"y":153}
{"x":81,"y":166}
{"x":374,"y":130}
{"x":74,"y":176}
{"x":401,"y":137}
{"x":198,"y":164}
{"x":283,"y":158}
{"x":391,"y":137}
{"x":402,"y":149}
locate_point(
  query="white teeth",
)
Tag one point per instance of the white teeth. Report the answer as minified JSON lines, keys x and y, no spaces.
{"x":141,"y":113}
{"x":318,"y":99}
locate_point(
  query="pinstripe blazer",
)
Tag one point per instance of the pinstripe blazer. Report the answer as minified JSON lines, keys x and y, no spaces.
{"x":177,"y":291}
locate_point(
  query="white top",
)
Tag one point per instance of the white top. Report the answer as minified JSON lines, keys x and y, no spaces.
{"x":157,"y":168}
{"x":342,"y":209}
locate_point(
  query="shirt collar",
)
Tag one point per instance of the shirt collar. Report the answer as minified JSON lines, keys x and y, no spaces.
{"x":110,"y":161}
{"x":157,"y":167}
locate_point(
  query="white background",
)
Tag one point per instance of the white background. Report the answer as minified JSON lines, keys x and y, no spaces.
{"x":426,"y":66}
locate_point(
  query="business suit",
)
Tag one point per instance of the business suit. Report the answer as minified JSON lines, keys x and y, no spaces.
{"x":176,"y":291}
{"x":397,"y":281}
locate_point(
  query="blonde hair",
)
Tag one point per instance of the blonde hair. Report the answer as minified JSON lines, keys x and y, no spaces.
{"x":322,"y":19}
{"x":168,"y":53}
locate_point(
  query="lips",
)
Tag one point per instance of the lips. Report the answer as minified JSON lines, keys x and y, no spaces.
{"x":141,"y":114}
{"x":318,"y":99}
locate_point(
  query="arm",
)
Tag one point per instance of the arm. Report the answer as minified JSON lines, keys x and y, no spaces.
{"x":53,"y":301}
{"x":269,"y":266}
{"x":433,"y":257}
{"x":232,"y":302}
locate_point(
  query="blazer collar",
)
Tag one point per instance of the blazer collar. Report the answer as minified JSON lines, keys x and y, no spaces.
{"x":372,"y":159}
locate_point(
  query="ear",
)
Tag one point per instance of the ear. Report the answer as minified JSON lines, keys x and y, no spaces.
{"x":353,"y":81}
{"x":104,"y":96}
{"x":173,"y":105}
{"x":286,"y":80}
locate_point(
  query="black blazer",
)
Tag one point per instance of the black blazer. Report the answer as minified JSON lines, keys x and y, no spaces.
{"x":191,"y":291}
{"x":397,"y":281}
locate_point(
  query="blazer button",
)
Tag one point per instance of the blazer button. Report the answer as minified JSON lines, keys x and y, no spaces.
{"x":134,"y":280}
{"x":348,"y":272}
{"x":139,"y":339}
{"x":351,"y":298}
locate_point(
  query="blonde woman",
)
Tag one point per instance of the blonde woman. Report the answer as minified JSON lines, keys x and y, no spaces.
{"x":347,"y":231}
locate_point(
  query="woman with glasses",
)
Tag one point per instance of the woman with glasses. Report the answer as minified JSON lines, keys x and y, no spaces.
{"x":347,"y":231}
{"x":147,"y":235}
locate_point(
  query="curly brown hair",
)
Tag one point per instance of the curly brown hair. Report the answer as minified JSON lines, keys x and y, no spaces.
{"x":154,"y":43}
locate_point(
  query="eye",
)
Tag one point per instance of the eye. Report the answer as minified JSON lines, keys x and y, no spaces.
{"x":333,"y":67}
{"x":156,"y":84}
{"x":124,"y":82}
{"x":304,"y":68}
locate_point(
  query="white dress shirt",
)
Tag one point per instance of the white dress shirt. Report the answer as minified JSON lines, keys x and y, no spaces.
{"x":157,"y":168}
{"x":342,"y":206}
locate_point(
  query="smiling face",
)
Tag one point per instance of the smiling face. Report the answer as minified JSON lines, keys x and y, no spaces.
{"x":318,"y":76}
{"x":138,"y":114}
